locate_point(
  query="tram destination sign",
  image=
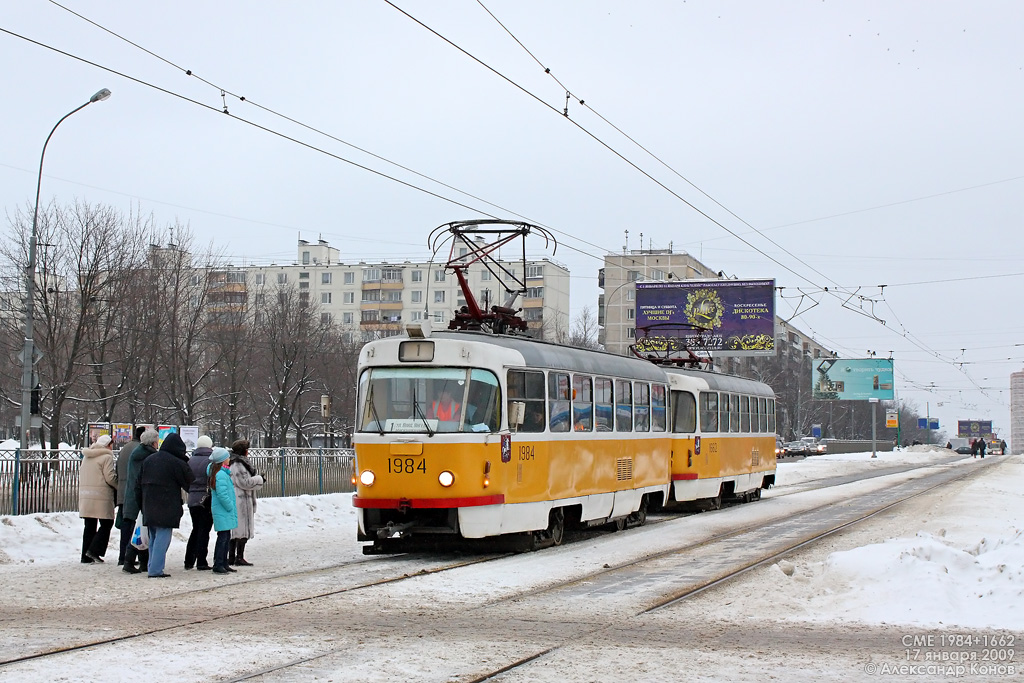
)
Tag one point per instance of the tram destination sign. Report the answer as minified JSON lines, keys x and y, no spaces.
{"x":727,"y":317}
{"x":857,"y":379}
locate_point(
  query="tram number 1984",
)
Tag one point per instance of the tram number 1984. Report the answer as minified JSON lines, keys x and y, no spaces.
{"x":406,"y":465}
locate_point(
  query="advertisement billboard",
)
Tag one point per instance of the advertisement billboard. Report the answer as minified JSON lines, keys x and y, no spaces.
{"x":856,"y":379}
{"x":974,"y":429}
{"x":735,"y":317}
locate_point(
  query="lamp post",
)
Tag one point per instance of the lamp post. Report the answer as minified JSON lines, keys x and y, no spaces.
{"x":28,"y":352}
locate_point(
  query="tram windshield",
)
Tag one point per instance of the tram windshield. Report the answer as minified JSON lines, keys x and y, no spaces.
{"x":429,"y":400}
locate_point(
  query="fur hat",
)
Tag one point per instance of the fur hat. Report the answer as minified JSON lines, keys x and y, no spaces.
{"x":103,"y":441}
{"x":219,"y":455}
{"x":204,"y":442}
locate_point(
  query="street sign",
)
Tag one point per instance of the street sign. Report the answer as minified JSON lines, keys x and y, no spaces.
{"x":922,"y":423}
{"x":933,"y":423}
{"x":892,"y":419}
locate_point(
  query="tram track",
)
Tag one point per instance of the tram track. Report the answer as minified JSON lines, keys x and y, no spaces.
{"x":587,"y":581}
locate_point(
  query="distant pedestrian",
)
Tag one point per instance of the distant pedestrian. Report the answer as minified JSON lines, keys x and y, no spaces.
{"x":949,"y":445}
{"x":97,"y":492}
{"x":133,"y":502}
{"x":974,"y":448}
{"x":202,"y":521}
{"x":224,"y":507}
{"x":164,"y":475}
{"x":247,"y":482}
{"x":981,"y":447}
{"x":1002,"y":447}
{"x":122,"y":479}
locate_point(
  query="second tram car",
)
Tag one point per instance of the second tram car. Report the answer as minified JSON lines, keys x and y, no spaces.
{"x":469,"y":435}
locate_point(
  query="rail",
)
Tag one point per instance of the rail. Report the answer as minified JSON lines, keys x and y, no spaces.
{"x":47,"y":480}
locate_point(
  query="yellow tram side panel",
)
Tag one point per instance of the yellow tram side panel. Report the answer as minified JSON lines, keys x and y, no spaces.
{"x":539,"y":469}
{"x":742,"y":459}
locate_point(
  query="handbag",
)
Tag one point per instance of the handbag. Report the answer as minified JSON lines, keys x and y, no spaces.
{"x":207,"y":500}
{"x":119,"y":517}
{"x":140,"y":538}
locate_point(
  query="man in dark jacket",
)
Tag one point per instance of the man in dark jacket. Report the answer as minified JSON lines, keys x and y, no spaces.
{"x":164,"y":475}
{"x":132,"y":502}
{"x":202,"y":518}
{"x":122,"y":480}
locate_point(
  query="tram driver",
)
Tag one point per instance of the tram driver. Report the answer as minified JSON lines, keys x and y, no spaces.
{"x":445,"y":408}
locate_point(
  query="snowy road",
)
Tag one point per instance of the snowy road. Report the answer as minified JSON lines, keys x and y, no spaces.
{"x":308,"y":610}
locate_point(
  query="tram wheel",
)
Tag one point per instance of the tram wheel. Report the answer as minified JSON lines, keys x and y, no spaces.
{"x":639,"y":518}
{"x":756,"y":495}
{"x":620,"y":523}
{"x":716,"y":502}
{"x":556,"y":526}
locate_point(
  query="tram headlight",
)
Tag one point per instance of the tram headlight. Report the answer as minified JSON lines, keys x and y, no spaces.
{"x":446,"y":479}
{"x":367,"y":477}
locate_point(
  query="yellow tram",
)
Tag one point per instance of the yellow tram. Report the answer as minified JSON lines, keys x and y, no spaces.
{"x":470,"y":435}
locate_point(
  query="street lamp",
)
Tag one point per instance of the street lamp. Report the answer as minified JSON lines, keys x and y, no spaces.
{"x":28,"y":352}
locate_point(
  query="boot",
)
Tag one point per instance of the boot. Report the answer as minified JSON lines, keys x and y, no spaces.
{"x":232,"y":544}
{"x":240,"y":560}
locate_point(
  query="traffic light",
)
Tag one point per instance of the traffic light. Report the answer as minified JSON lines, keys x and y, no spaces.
{"x":36,"y":399}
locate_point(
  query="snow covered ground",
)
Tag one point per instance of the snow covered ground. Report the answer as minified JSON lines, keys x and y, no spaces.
{"x":950,"y":563}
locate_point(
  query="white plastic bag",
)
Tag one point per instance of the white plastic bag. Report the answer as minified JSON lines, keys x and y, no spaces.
{"x":140,"y":538}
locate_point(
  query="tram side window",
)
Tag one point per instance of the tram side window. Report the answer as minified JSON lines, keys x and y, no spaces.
{"x":771,"y":415}
{"x":724,"y":411}
{"x":708,"y":411}
{"x":582,"y":403}
{"x":642,"y":406}
{"x":623,"y":406}
{"x":762,"y":408}
{"x":658,"y":411}
{"x":744,"y":413}
{"x":604,"y":405}
{"x":684,"y":416}
{"x":558,"y":402}
{"x":527,"y":387}
{"x":734,"y":413}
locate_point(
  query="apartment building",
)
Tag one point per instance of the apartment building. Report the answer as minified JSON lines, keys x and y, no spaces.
{"x":377,"y":299}
{"x":1016,"y":411}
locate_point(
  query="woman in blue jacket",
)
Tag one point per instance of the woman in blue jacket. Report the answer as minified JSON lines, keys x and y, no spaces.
{"x":222,"y":504}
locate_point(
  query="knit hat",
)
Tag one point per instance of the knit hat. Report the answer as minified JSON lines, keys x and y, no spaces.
{"x":204,"y":442}
{"x":219,"y":454}
{"x":103,"y":441}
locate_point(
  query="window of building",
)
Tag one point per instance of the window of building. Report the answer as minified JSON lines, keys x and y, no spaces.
{"x":282,"y":278}
{"x":632,"y":275}
{"x":630,"y":314}
{"x":325,"y":278}
{"x":630,"y":333}
{"x":485,"y":274}
{"x":304,"y":276}
{"x":371,"y":295}
{"x":305,"y":258}
{"x":391,"y":274}
{"x":392,"y":295}
{"x":371,"y":274}
{"x":303,"y":298}
{"x":463,"y":251}
{"x":236,"y":277}
{"x":438,"y":316}
{"x":348,"y":297}
{"x":439,"y":296}
{"x":369,"y":316}
{"x":416,"y":296}
{"x":325,"y":297}
{"x":657,"y":274}
{"x":350,"y":278}
{"x":438,"y":276}
{"x":347,"y":318}
{"x":416,"y":315}
{"x":304,"y":285}
{"x":534,"y":271}
{"x":527,"y":387}
{"x":325,"y":318}
{"x":630,"y":294}
{"x":417,"y":276}
{"x":260,"y":278}
{"x":534,"y":292}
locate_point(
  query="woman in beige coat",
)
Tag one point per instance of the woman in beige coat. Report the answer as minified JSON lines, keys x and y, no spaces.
{"x":247,"y":482}
{"x":97,"y":492}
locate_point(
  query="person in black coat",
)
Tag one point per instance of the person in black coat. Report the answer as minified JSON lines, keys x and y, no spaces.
{"x":164,"y":475}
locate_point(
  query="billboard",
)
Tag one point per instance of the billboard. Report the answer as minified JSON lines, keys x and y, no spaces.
{"x":737,"y":316}
{"x":974,"y":429}
{"x":857,"y":379}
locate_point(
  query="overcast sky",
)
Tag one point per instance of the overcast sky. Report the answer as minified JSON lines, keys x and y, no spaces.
{"x":845,"y":145}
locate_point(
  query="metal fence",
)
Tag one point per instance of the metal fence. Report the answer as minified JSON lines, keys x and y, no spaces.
{"x":47,"y":481}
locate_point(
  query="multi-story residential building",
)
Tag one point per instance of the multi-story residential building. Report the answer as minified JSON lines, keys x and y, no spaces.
{"x":379,"y":298}
{"x":1016,"y":411}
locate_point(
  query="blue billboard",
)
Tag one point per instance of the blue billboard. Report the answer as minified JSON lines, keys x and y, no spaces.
{"x":852,"y":380}
{"x":728,"y":317}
